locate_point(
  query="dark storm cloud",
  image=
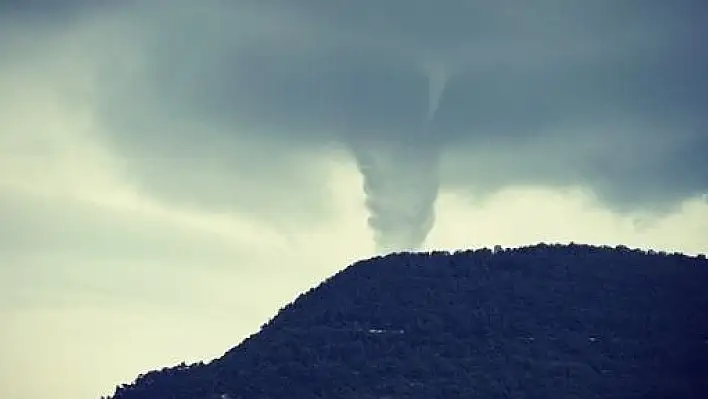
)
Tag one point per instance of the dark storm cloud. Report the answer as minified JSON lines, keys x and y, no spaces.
{"x":49,"y":14}
{"x":607,"y":94}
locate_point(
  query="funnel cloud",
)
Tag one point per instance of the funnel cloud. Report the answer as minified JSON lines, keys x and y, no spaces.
{"x":438,"y":75}
{"x":401,"y":177}
{"x":401,"y":183}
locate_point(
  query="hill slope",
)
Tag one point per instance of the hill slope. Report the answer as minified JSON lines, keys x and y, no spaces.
{"x":541,"y":322}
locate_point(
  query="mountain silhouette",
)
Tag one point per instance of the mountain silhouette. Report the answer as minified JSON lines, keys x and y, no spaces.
{"x":537,"y":322}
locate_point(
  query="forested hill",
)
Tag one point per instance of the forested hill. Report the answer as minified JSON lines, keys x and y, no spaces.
{"x":546,"y":322}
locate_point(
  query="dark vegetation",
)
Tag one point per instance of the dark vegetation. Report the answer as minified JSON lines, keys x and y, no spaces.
{"x":545,"y":322}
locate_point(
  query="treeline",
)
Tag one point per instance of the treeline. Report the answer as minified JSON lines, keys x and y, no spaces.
{"x":538,"y":321}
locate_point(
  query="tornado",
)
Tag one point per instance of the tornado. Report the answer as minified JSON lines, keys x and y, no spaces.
{"x":401,"y":177}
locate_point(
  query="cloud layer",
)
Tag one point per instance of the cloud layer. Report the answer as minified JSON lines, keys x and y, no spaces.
{"x":606,"y":95}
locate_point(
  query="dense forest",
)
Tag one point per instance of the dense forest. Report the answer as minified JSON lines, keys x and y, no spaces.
{"x":538,"y":322}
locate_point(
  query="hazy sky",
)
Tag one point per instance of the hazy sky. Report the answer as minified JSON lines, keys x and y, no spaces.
{"x":172,"y":172}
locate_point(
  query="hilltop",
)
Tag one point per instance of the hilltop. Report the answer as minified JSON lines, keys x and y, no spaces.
{"x":545,"y":321}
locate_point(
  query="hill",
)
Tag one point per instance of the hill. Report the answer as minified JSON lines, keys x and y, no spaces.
{"x":546,"y":321}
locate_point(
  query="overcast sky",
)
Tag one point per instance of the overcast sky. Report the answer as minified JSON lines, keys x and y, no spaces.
{"x":171,"y":173}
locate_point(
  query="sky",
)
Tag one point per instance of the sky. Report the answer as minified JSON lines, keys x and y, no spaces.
{"x":172,"y":173}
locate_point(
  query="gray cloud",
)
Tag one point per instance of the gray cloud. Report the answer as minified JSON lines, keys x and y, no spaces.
{"x":479,"y":95}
